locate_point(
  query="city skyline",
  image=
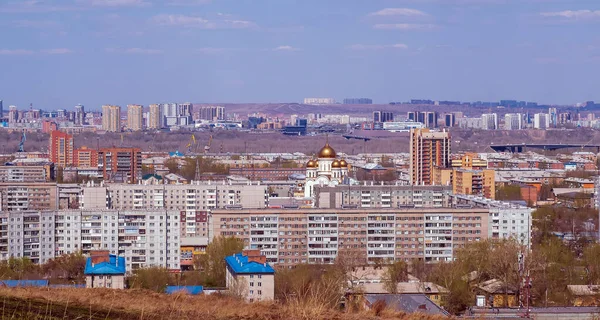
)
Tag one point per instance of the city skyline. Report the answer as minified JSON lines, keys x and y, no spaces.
{"x":60,"y":53}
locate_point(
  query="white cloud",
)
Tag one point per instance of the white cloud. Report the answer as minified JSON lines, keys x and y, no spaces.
{"x":286,"y":48}
{"x":360,"y":47}
{"x":573,"y":14}
{"x":202,"y":23}
{"x":57,"y":51}
{"x":405,"y":12}
{"x":16,"y":52}
{"x":403,"y":26}
{"x":133,"y":51}
{"x":115,"y":3}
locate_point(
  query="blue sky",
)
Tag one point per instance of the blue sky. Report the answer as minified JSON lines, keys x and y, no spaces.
{"x":57,"y":53}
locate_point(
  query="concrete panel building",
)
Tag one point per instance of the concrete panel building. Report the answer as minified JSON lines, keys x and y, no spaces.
{"x":135,"y":117}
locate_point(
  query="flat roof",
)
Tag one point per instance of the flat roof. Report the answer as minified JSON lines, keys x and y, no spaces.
{"x":349,"y":211}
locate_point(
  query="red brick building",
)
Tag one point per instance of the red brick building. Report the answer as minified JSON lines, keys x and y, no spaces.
{"x":120,"y":164}
{"x":85,"y":157}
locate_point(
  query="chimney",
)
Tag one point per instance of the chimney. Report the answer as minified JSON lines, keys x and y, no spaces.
{"x":422,"y":307}
{"x":100,"y":256}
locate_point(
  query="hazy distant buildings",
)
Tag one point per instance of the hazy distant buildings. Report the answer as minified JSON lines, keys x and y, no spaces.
{"x":79,"y":117}
{"x":489,"y":121}
{"x":111,"y":118}
{"x":155,"y":117}
{"x":513,"y":121}
{"x":319,"y":101}
{"x":427,"y":118}
{"x":13,"y":114}
{"x":357,"y":101}
{"x":1,"y":110}
{"x":449,"y":120}
{"x":541,"y":121}
{"x":134,"y":117}
{"x":427,"y":151}
{"x":212,"y":113}
{"x":383,"y":116}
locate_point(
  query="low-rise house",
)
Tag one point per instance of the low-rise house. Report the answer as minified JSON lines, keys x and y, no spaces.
{"x":493,"y":293}
{"x":250,"y":276}
{"x":104,"y":270}
{"x":409,"y":303}
{"x":585,"y":295}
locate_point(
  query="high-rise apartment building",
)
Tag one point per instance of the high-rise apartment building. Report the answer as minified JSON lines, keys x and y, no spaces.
{"x":61,"y":148}
{"x":449,"y":120}
{"x":427,"y":151}
{"x":120,"y":164}
{"x":85,"y":157}
{"x":111,"y":118}
{"x":513,"y":121}
{"x":489,"y":121}
{"x":79,"y":118}
{"x":541,"y":121}
{"x":149,"y":238}
{"x":383,"y":116}
{"x":134,"y":117}
{"x":155,"y":117}
{"x":212,"y":113}
{"x":13,"y":114}
{"x":427,"y":118}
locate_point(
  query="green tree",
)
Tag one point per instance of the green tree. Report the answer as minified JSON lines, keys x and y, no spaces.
{"x":154,"y":278}
{"x":395,"y":273}
{"x":212,"y":263}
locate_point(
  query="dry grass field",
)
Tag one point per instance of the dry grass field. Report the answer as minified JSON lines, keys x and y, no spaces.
{"x":96,"y":304}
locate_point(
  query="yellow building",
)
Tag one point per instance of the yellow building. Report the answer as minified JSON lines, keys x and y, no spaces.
{"x":111,"y":118}
{"x":134,"y":117}
{"x":467,"y":181}
{"x":469,"y":160}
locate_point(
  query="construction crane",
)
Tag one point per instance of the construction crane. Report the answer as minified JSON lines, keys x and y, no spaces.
{"x":22,"y":143}
{"x":191,"y":143}
{"x":207,"y":147}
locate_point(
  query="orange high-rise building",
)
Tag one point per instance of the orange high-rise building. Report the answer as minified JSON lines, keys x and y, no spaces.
{"x":61,"y":148}
{"x":428,"y":150}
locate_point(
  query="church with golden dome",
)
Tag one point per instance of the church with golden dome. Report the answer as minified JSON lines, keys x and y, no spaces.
{"x":326,"y":170}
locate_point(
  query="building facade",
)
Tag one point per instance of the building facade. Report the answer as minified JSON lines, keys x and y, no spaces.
{"x":85,"y":157}
{"x":144,"y":238}
{"x":61,"y":149}
{"x":120,"y":164}
{"x":248,"y":275}
{"x":111,"y":118}
{"x":135,"y":117}
{"x":319,"y":101}
{"x":155,"y":117}
{"x":513,"y":121}
{"x":427,"y":151}
{"x":382,"y":196}
{"x":211,"y":113}
{"x":23,"y":196}
{"x":289,"y":237}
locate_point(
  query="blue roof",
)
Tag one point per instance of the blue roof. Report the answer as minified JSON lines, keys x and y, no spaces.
{"x":239,"y":264}
{"x":110,"y":267}
{"x":24,"y":283}
{"x":176,"y":154}
{"x":193,"y":290}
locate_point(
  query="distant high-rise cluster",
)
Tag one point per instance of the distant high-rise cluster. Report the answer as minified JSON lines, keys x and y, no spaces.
{"x":174,"y":114}
{"x":111,"y":118}
{"x":155,"y":116}
{"x":383,"y":116}
{"x":358,"y":101}
{"x":79,"y":116}
{"x":427,"y":118}
{"x":318,"y":101}
{"x":489,"y":121}
{"x":211,"y":113}
{"x":513,"y":121}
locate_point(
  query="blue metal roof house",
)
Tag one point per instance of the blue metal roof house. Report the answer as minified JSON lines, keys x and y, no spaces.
{"x":105,"y":270}
{"x":193,"y":290}
{"x":249,"y":275}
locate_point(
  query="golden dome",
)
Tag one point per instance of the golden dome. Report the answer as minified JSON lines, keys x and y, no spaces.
{"x":312,"y":164}
{"x":336,"y":164}
{"x":327,"y":152}
{"x":343,"y":163}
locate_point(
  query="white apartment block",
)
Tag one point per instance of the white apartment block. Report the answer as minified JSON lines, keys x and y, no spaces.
{"x":319,"y":101}
{"x":145,"y":238}
{"x":513,"y":121}
{"x":193,"y":200}
{"x":541,"y":121}
{"x":489,"y":121}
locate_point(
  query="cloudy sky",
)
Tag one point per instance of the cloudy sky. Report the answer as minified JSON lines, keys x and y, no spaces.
{"x":57,"y":53}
